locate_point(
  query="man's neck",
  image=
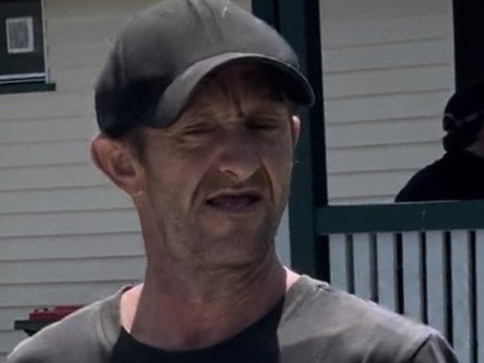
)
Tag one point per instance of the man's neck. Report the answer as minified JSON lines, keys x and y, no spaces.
{"x":176,"y":313}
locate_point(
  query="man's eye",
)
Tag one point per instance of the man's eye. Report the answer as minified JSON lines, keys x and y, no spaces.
{"x":199,"y":131}
{"x":266,"y":129}
{"x":263,"y":126}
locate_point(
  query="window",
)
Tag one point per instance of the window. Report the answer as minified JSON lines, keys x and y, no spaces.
{"x":22,"y":46}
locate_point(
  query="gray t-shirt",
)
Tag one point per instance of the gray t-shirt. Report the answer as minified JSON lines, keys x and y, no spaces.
{"x":316,"y":323}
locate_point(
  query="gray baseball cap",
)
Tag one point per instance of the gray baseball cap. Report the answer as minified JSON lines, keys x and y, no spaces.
{"x":163,"y":53}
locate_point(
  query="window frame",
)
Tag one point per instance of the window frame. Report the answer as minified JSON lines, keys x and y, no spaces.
{"x":38,"y":79}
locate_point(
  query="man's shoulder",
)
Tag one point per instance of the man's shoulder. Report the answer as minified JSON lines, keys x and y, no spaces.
{"x":83,"y":336}
{"x":336,"y":325}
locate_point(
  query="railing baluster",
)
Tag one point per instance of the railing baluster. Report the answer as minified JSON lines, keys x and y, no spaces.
{"x":412,"y":293}
{"x":460,"y":294}
{"x":435,"y":280}
{"x":386,"y":275}
{"x":362,"y":261}
{"x":480,"y":293}
{"x":472,"y":296}
{"x":338,"y":261}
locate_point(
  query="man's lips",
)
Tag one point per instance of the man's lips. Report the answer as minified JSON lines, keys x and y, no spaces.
{"x":234,"y":201}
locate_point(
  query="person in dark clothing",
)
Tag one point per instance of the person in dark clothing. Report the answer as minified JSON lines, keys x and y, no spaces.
{"x":459,"y":174}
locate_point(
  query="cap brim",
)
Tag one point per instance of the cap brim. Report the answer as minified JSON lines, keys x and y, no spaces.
{"x":177,"y":94}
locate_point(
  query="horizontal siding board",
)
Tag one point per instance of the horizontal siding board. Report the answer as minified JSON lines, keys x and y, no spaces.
{"x":367,"y":184}
{"x":87,"y":8}
{"x":378,"y":10}
{"x":386,"y":107}
{"x":84,"y":30}
{"x":353,"y":32}
{"x":75,"y":56}
{"x":47,"y":129}
{"x":51,"y":177}
{"x":403,"y":80}
{"x":71,"y":246}
{"x":51,"y":224}
{"x":75,"y":199}
{"x":384,"y":132}
{"x":9,"y":315}
{"x":71,"y":270}
{"x":51,"y":104}
{"x":382,"y":173}
{"x":62,"y":152}
{"x":59,"y":23}
{"x":52,"y":294}
{"x":393,"y":157}
{"x":430,"y":52}
{"x":80,"y":80}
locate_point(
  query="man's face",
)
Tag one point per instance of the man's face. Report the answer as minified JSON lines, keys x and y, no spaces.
{"x":218,"y":179}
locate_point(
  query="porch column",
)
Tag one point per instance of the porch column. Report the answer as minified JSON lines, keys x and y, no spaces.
{"x":299,"y":22}
{"x":469,"y":41}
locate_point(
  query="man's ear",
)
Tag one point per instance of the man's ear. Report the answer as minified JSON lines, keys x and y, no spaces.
{"x":116,"y":160}
{"x":295,"y":129}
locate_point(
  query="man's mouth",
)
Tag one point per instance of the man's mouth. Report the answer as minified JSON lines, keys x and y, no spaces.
{"x":234,"y":201}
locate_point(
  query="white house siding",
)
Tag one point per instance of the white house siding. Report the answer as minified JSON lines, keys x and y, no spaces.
{"x":66,"y":235}
{"x":388,"y":71}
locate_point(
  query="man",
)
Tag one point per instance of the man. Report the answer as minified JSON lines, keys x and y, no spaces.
{"x":459,"y":174}
{"x":196,"y":107}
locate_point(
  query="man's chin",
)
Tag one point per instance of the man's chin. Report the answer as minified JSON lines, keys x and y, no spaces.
{"x":237,"y":245}
{"x":235,"y":232}
{"x":237,"y":258}
{"x":229,"y":220}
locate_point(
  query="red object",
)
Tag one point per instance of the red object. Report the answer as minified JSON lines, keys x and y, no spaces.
{"x":54,"y":313}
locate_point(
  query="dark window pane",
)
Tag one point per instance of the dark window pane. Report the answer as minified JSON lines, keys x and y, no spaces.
{"x":21,"y":41}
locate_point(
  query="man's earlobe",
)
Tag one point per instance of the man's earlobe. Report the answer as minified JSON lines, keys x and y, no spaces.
{"x":116,"y":162}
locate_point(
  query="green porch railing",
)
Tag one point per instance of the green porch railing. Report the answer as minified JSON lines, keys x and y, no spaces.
{"x":423,"y":260}
{"x":400,"y":217}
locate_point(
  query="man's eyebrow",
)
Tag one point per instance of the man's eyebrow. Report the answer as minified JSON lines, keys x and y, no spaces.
{"x":202,"y":113}
{"x":270,"y":107}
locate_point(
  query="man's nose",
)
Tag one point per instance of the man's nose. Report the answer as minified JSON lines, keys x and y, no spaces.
{"x":239,"y":157}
